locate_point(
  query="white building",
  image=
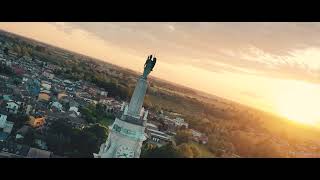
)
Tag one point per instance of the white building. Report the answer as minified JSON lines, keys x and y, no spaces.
{"x":103,"y":93}
{"x":5,"y":125}
{"x":45,"y":91}
{"x":74,"y":109}
{"x":48,"y":75}
{"x":195,"y":133}
{"x":67,"y":82}
{"x":142,"y":111}
{"x":8,"y":63}
{"x":151,"y":126}
{"x":3,"y":120}
{"x":57,"y":105}
{"x":157,"y":137}
{"x":180,"y":122}
{"x":199,"y":137}
{"x":28,"y":110}
{"x":46,"y":85}
{"x":24,"y":79}
{"x":12,"y":107}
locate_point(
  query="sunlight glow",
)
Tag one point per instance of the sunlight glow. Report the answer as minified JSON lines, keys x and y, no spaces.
{"x":300,"y":102}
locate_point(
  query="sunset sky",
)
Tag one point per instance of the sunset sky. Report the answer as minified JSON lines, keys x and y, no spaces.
{"x":271,"y":66}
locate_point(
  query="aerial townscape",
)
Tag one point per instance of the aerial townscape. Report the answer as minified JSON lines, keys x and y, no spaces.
{"x":39,"y":105}
{"x":59,"y":104}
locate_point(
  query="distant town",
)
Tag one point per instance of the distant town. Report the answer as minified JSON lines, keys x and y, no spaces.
{"x":31,"y":92}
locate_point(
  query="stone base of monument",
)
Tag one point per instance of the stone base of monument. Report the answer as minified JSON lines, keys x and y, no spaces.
{"x":123,"y":134}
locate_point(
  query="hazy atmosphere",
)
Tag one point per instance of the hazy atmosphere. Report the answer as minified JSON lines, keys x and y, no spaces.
{"x":271,"y":66}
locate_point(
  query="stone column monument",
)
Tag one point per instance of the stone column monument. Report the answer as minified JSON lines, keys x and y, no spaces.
{"x":126,"y":134}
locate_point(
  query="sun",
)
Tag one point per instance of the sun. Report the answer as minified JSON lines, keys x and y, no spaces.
{"x":300,"y":102}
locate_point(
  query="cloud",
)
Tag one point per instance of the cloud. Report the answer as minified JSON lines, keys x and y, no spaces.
{"x":227,"y":43}
{"x":278,"y":50}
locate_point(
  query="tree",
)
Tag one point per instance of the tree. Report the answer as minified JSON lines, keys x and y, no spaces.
{"x":89,"y":140}
{"x":17,"y":49}
{"x":166,"y":151}
{"x":25,"y":51}
{"x":100,"y":109}
{"x":183,"y":136}
{"x":17,"y":81}
{"x":6,"y":51}
{"x":63,"y":139}
{"x":196,"y":152}
{"x":6,"y":70}
{"x":89,"y":113}
{"x":189,"y":150}
{"x":40,"y":48}
{"x":18,"y":120}
{"x":269,"y":149}
{"x":219,"y":145}
{"x":100,"y":132}
{"x":29,"y":138}
{"x":185,"y":150}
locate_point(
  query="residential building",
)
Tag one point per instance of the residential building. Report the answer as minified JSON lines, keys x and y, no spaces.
{"x":104,"y":93}
{"x":28,"y":109}
{"x":195,"y":133}
{"x":180,"y":122}
{"x":177,"y":122}
{"x":199,"y":137}
{"x":37,"y":122}
{"x":74,"y":109}
{"x":18,"y":70}
{"x":5,"y":125}
{"x":56,"y":106}
{"x":158,"y":138}
{"x":67,"y":82}
{"x":12,"y":107}
{"x":43,"y":97}
{"x":151,"y":126}
{"x":3,"y":119}
{"x":46,"y":85}
{"x":48,"y":75}
{"x":6,"y":97}
{"x":155,"y":136}
{"x":8,"y":127}
{"x":61,"y":95}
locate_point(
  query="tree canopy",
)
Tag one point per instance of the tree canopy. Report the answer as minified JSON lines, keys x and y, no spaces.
{"x":167,"y":151}
{"x":64,"y":140}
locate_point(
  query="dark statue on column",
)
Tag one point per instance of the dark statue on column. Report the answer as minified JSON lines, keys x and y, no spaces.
{"x":148,"y":66}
